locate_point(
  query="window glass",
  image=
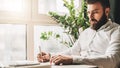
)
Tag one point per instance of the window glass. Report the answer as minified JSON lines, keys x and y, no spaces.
{"x":52,"y":44}
{"x":12,"y":42}
{"x":62,"y":9}
{"x":44,"y":6}
{"x":11,"y":5}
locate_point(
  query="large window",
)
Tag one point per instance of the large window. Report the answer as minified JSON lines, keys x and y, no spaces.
{"x":22,"y":22}
{"x":11,"y":5}
{"x":13,"y":29}
{"x":12,"y":42}
{"x":44,"y":6}
{"x":52,"y":44}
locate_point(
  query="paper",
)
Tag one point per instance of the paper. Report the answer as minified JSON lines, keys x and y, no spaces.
{"x":23,"y":63}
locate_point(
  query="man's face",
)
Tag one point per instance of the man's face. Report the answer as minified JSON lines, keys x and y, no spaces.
{"x":97,"y":15}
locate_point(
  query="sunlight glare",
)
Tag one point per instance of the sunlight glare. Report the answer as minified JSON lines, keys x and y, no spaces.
{"x":11,"y":5}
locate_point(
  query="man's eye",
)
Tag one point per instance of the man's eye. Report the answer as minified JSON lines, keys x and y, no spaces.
{"x":95,"y":12}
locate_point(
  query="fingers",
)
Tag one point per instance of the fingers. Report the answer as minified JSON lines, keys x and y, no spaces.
{"x":61,"y":59}
{"x":43,"y":53}
{"x":56,"y":60}
{"x":39,"y":58}
{"x":43,"y":57}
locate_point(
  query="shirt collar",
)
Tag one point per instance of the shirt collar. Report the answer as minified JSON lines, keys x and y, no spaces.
{"x":105,"y":25}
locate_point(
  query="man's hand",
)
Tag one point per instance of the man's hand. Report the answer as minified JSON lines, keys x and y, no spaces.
{"x":43,"y":57}
{"x":61,"y":59}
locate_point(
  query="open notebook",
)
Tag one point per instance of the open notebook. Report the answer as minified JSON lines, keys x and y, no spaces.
{"x":19,"y":63}
{"x":23,"y":63}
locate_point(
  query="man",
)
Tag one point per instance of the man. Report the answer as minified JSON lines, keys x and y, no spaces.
{"x":98,"y":45}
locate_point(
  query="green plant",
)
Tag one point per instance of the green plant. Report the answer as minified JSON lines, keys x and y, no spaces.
{"x":75,"y":20}
{"x":47,"y":35}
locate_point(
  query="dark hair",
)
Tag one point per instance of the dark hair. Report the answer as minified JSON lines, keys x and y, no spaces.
{"x":104,"y":3}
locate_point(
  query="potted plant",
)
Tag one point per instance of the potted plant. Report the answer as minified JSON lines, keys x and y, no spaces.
{"x":74,"y":21}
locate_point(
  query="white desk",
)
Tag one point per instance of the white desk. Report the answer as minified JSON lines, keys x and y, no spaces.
{"x":74,"y":66}
{"x":47,"y":65}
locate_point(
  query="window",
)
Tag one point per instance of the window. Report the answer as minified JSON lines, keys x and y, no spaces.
{"x":12,"y":42}
{"x":11,"y":5}
{"x":53,"y":44}
{"x":21,"y":22}
{"x":13,"y":29}
{"x":44,"y":6}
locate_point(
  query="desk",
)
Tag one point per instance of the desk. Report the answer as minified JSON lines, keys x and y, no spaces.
{"x":47,"y":65}
{"x":74,"y":66}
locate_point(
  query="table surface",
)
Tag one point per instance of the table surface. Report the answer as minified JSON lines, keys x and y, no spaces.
{"x":74,"y":66}
{"x":47,"y":65}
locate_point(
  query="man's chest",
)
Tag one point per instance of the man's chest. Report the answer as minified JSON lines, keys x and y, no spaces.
{"x":95,"y":42}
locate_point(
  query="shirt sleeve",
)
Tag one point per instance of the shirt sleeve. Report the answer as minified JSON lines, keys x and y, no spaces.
{"x":111,"y":58}
{"x":75,"y":50}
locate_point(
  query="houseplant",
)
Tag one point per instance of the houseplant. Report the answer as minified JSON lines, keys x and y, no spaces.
{"x":48,"y":35}
{"x":53,"y":42}
{"x":75,"y":20}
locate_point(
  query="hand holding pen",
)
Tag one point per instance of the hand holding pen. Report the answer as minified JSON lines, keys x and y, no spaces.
{"x":42,"y":56}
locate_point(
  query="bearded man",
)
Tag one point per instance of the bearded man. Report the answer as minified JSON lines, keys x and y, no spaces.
{"x":97,"y":45}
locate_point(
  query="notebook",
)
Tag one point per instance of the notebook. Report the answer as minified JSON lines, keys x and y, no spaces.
{"x":22,"y":63}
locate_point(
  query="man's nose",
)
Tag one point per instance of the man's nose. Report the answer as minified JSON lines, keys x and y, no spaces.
{"x":91,"y":16}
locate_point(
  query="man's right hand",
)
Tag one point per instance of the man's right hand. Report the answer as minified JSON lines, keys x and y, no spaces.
{"x":43,"y":57}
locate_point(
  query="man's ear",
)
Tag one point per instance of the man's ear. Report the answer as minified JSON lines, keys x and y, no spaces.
{"x":107,"y":11}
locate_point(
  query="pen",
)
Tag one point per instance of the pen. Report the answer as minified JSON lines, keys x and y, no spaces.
{"x":40,"y":51}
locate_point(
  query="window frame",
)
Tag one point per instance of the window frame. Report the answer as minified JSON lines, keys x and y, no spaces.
{"x":8,"y":17}
{"x":29,"y":17}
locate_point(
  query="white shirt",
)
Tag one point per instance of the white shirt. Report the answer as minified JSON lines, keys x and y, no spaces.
{"x":101,"y":47}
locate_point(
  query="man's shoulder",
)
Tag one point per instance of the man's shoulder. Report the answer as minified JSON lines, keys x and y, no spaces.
{"x":114,"y":29}
{"x":115,"y":26}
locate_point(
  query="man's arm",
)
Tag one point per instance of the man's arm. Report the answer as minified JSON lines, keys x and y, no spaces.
{"x":74,"y":50}
{"x":65,"y":56}
{"x":110,"y":59}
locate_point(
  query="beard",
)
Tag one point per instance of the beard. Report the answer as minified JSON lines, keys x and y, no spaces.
{"x":97,"y":24}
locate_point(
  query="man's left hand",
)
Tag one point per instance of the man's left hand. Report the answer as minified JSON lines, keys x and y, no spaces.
{"x":61,"y":59}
